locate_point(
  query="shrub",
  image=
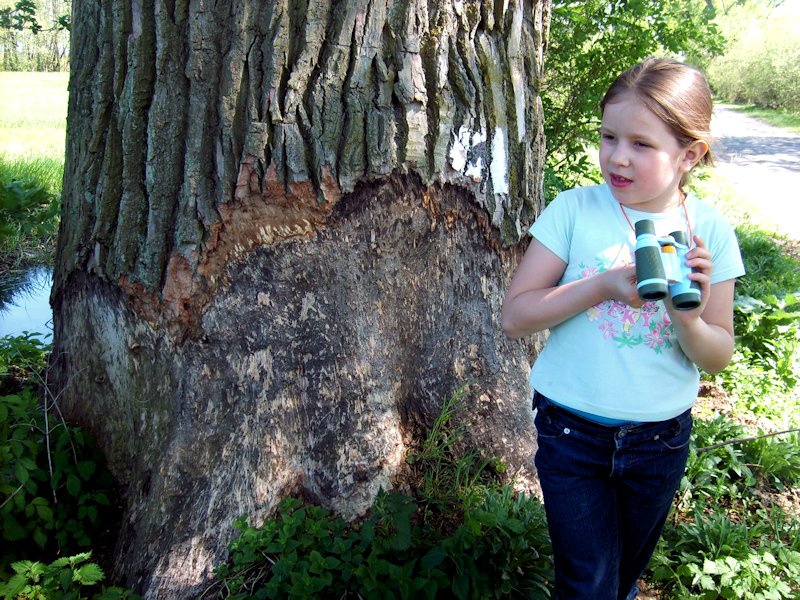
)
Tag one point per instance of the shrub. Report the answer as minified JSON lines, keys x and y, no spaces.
{"x":64,"y":578}
{"x":56,"y":491}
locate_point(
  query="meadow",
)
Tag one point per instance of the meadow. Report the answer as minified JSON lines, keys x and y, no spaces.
{"x":33,"y":120}
{"x":33,"y":115}
{"x":733,"y":532}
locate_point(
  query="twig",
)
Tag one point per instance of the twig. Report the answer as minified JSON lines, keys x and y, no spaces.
{"x":746,"y":439}
{"x":14,"y":493}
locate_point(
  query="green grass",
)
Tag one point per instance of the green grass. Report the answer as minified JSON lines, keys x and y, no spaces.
{"x":33,"y":115}
{"x":778,"y":118}
{"x":45,"y":169}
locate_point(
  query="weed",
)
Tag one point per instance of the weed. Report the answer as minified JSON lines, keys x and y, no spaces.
{"x":771,"y":268}
{"x":29,"y":212}
{"x":776,"y":459}
{"x":55,"y":492}
{"x":714,"y":557}
{"x":65,"y":577}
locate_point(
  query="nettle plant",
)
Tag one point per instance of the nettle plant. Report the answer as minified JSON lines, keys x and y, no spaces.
{"x":54,"y":487}
{"x":67,"y":578}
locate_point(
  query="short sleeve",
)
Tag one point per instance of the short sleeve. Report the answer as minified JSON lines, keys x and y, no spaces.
{"x":725,"y":253}
{"x":554,"y":226}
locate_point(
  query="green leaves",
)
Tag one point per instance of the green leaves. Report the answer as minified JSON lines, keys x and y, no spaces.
{"x":63,"y":578}
{"x":727,"y":540}
{"x":23,"y":16}
{"x":54,"y":488}
{"x":590,"y":43}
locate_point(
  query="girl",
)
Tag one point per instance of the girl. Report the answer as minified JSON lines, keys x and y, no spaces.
{"x":615,"y":383}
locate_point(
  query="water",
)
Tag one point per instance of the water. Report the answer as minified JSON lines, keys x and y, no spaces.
{"x":25,"y":303}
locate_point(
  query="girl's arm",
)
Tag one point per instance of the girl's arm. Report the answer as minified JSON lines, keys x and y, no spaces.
{"x":535,"y":301}
{"x":706,"y":333}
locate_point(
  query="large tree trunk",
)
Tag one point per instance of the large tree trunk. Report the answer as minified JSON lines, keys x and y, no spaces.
{"x":286,"y":232}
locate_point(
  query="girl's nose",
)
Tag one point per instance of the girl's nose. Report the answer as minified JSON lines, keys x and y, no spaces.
{"x":620,"y":155}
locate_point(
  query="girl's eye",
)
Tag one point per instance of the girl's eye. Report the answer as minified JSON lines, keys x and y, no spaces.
{"x":607,"y":136}
{"x":642,"y":144}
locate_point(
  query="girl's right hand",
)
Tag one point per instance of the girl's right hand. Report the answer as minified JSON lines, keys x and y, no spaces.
{"x":536,"y":301}
{"x":620,"y":284}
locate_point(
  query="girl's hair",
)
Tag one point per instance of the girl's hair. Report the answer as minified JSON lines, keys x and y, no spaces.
{"x":675,"y":92}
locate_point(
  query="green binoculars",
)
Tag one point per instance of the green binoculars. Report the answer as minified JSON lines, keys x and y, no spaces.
{"x":661,"y":267}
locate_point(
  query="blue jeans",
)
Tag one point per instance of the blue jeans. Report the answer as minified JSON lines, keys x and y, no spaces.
{"x":607,"y":493}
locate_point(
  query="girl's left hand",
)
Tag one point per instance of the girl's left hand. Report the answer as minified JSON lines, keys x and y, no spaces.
{"x":699,"y":259}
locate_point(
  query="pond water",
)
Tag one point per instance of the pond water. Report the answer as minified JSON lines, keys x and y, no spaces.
{"x":25,"y":303}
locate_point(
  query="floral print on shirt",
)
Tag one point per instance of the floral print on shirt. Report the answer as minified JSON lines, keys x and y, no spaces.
{"x":629,"y":327}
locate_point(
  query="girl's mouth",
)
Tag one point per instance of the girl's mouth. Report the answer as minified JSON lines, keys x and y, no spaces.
{"x":620,"y":181}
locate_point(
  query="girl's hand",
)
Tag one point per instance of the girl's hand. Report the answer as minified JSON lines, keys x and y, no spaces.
{"x":705,"y":334}
{"x":620,"y":284}
{"x":699,"y":259}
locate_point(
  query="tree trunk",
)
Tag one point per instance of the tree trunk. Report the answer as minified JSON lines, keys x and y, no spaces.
{"x":287,"y":228}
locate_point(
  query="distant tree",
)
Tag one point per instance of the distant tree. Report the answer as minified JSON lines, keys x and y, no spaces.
{"x":761,"y":64}
{"x":34,"y":35}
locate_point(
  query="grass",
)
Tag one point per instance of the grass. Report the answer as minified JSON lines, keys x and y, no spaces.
{"x":33,"y":115}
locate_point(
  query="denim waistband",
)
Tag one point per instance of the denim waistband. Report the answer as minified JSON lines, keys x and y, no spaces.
{"x":584,"y":416}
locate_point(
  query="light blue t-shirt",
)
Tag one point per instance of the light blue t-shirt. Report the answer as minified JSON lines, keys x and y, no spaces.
{"x":613,"y":360}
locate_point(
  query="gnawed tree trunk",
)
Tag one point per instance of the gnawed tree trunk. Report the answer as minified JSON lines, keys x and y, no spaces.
{"x":286,"y":232}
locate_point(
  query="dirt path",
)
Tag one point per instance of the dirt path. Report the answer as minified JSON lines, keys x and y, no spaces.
{"x":762,"y":163}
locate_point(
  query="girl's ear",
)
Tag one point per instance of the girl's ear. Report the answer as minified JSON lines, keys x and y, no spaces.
{"x":693,"y":154}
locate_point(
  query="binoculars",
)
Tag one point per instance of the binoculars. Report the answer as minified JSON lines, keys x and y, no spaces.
{"x":661,"y":267}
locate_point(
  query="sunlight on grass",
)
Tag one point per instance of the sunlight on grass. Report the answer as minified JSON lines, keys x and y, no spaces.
{"x":33,"y":115}
{"x":33,"y":122}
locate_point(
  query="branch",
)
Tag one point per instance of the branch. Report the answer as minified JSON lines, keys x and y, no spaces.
{"x":747,"y":439}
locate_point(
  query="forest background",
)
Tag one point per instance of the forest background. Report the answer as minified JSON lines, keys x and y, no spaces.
{"x":734,"y":529}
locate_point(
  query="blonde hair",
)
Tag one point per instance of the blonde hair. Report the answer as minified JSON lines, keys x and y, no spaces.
{"x":675,"y":92}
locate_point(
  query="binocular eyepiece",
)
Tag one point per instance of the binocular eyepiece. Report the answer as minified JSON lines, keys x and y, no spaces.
{"x":661,"y":267}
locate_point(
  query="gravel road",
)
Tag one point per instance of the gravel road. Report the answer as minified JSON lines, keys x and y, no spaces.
{"x":762,"y":163}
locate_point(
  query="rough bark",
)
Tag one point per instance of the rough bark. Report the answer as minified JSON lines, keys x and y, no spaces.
{"x":286,"y":232}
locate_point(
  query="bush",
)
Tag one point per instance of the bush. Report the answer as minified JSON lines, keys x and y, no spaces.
{"x":56,"y":491}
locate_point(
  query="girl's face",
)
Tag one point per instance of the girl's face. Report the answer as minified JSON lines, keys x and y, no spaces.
{"x":640,"y":157}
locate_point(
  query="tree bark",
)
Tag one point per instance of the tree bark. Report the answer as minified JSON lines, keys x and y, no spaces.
{"x":287,"y":228}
